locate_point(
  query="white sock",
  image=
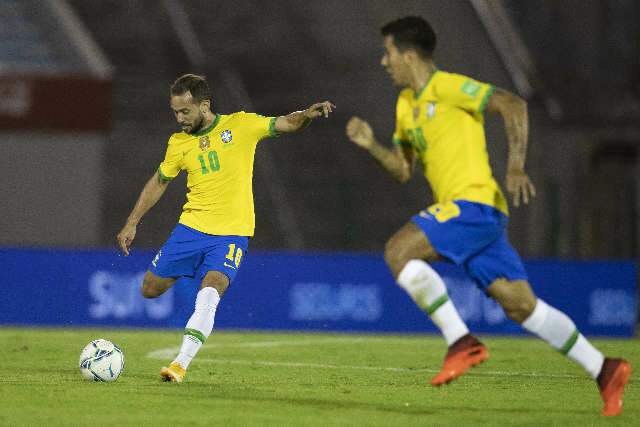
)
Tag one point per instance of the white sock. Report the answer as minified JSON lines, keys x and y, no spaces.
{"x":199,"y":326}
{"x":561,"y":333}
{"x":428,"y":291}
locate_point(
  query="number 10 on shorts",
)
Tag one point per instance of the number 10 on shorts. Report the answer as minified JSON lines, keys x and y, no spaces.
{"x":234,"y":254}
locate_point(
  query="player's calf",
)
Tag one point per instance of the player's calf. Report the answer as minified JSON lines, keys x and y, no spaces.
{"x":561,"y":333}
{"x":197,"y":331}
{"x":153,"y":286}
{"x":516,"y":298}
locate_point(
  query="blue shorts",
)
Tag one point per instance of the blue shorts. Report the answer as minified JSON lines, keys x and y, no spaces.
{"x":192,"y":253}
{"x":472,"y":235}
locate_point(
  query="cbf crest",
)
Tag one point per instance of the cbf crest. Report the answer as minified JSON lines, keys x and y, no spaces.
{"x":226,"y":136}
{"x":205,"y":144}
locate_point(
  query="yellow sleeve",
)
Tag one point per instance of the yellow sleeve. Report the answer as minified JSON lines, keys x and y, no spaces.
{"x":400,"y":136}
{"x":172,"y":163}
{"x":261,"y":126}
{"x":463,"y":92}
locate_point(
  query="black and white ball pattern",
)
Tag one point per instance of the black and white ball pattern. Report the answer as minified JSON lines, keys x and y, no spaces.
{"x":101,"y":360}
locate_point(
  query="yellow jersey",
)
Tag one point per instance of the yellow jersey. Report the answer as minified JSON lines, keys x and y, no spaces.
{"x":444,"y":123}
{"x":219,"y":165}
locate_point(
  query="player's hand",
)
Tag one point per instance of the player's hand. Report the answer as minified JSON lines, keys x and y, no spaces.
{"x":126,"y":236}
{"x":319,"y":109}
{"x":360,"y":132}
{"x":519,"y":186}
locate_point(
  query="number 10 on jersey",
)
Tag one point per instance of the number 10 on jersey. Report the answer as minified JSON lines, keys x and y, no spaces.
{"x":214,"y":163}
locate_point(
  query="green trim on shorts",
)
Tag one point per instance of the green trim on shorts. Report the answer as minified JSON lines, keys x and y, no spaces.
{"x":566,"y":348}
{"x":196,"y":334}
{"x":437,"y":304}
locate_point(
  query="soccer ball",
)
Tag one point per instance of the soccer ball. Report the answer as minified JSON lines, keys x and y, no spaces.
{"x":101,"y":360}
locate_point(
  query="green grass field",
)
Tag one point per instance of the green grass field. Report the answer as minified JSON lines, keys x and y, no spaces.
{"x":290,"y":379}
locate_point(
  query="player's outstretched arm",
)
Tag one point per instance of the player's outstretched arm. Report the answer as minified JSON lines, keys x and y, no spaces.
{"x":399,"y":162}
{"x":300,"y":119}
{"x":151,"y":193}
{"x":516,"y":120}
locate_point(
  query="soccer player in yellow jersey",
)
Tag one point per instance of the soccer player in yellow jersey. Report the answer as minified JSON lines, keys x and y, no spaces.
{"x":439,"y":121}
{"x":213,"y":232}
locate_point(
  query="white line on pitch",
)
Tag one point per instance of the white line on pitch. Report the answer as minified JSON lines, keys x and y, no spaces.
{"x":303,"y":342}
{"x":169,"y":353}
{"x":381,"y":368}
{"x":172,"y":351}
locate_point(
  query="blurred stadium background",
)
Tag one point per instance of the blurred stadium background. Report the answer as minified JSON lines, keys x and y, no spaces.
{"x":84,"y":117}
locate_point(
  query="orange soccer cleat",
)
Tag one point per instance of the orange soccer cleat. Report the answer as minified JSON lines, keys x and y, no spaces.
{"x":613,"y":376}
{"x":465,"y":353}
{"x":174,"y":373}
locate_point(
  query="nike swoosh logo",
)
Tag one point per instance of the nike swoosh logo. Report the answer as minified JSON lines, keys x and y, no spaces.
{"x":230,"y":266}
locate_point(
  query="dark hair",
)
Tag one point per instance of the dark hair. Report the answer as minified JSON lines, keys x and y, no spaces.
{"x":195,"y":84}
{"x":412,"y":32}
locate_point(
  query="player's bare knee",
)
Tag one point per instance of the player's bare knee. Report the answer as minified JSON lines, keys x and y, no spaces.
{"x":216,"y":280}
{"x":148,"y":290}
{"x":395,"y":257}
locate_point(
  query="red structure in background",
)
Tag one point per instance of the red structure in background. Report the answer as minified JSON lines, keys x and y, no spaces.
{"x":63,"y":103}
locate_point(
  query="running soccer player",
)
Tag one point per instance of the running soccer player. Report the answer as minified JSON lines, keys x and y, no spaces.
{"x":439,"y":120}
{"x":212,"y":235}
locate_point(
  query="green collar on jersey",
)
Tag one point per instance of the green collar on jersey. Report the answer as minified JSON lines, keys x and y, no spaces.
{"x":209,"y":128}
{"x":421,"y":91}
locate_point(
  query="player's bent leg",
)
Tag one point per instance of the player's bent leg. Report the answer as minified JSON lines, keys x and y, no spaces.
{"x":199,"y":326}
{"x":405,"y":253}
{"x":555,"y":327}
{"x":153,"y":285}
